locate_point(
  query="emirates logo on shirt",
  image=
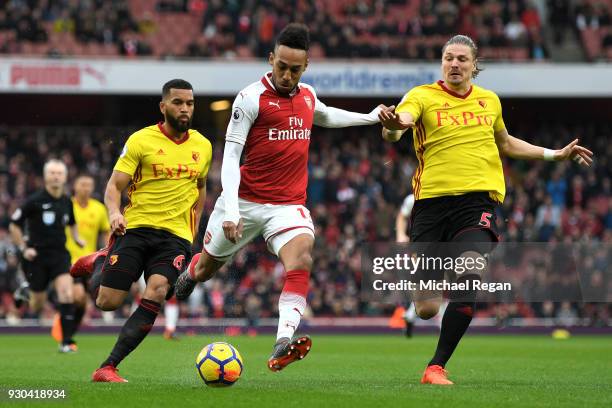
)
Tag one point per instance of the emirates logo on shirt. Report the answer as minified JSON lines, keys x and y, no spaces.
{"x":296,"y":131}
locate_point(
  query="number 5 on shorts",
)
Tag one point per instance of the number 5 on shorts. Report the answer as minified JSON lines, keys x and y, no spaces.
{"x":485,"y":219}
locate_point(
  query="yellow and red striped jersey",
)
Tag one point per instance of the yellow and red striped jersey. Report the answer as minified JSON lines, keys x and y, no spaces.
{"x":454,"y":140}
{"x":163,"y":192}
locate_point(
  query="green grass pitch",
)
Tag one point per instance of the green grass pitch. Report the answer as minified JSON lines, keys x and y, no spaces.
{"x":341,"y":371}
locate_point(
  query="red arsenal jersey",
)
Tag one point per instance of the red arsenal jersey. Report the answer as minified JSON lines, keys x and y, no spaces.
{"x":275,"y":131}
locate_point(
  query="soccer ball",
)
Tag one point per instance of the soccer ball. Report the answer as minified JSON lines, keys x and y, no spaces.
{"x":219,"y":364}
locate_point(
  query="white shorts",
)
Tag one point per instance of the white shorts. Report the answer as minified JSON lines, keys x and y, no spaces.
{"x":278,"y":224}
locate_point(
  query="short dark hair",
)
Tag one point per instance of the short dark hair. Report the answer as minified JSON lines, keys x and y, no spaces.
{"x":294,"y":35}
{"x":176,"y":84}
{"x":84,"y":174}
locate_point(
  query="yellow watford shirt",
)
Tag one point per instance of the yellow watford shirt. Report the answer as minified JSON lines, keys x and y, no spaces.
{"x":163,"y":192}
{"x":454,"y":141}
{"x":91,"y":220}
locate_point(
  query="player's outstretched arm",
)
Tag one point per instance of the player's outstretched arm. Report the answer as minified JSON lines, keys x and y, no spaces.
{"x":519,"y":149}
{"x":230,"y":182}
{"x":244,"y":112}
{"x":330,"y":117}
{"x":394,"y":124}
{"x":112,"y":199}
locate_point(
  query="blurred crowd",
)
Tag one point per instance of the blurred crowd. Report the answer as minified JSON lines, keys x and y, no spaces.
{"x":382,"y":29}
{"x":593,"y":23}
{"x":357,"y":183}
{"x":405,"y":29}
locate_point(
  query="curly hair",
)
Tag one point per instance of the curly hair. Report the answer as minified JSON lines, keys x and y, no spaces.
{"x":294,"y":35}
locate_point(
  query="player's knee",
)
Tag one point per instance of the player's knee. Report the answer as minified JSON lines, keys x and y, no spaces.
{"x":302,"y":261}
{"x":65,"y":295}
{"x":161,"y":292}
{"x":306,"y":261}
{"x":107,"y":303}
{"x":157,"y":291}
{"x":427,"y":310}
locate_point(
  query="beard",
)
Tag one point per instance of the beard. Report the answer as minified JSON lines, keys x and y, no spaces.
{"x":178,"y":126}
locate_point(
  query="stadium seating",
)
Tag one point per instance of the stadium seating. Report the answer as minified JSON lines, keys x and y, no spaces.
{"x":346,"y":29}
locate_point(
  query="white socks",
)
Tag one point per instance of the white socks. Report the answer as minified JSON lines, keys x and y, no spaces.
{"x":171,"y":313}
{"x":290,"y":310}
{"x":410,"y":313}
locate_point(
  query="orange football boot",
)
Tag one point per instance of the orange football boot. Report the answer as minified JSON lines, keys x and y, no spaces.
{"x":287,"y":351}
{"x":435,"y":374}
{"x":108,"y":373}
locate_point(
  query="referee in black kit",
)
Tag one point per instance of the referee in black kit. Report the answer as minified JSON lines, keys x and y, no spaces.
{"x":44,"y":216}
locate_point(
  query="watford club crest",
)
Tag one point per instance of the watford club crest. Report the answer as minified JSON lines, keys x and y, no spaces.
{"x":482,"y":103}
{"x":178,"y":262}
{"x":113,"y":259}
{"x":196,"y":156}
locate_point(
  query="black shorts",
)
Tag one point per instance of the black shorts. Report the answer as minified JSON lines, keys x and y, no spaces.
{"x":461,"y":223}
{"x":144,"y":249}
{"x":442,"y":219}
{"x":467,"y":221}
{"x":48,"y":265}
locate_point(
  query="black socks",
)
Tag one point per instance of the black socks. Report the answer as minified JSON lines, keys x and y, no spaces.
{"x":134,"y":331}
